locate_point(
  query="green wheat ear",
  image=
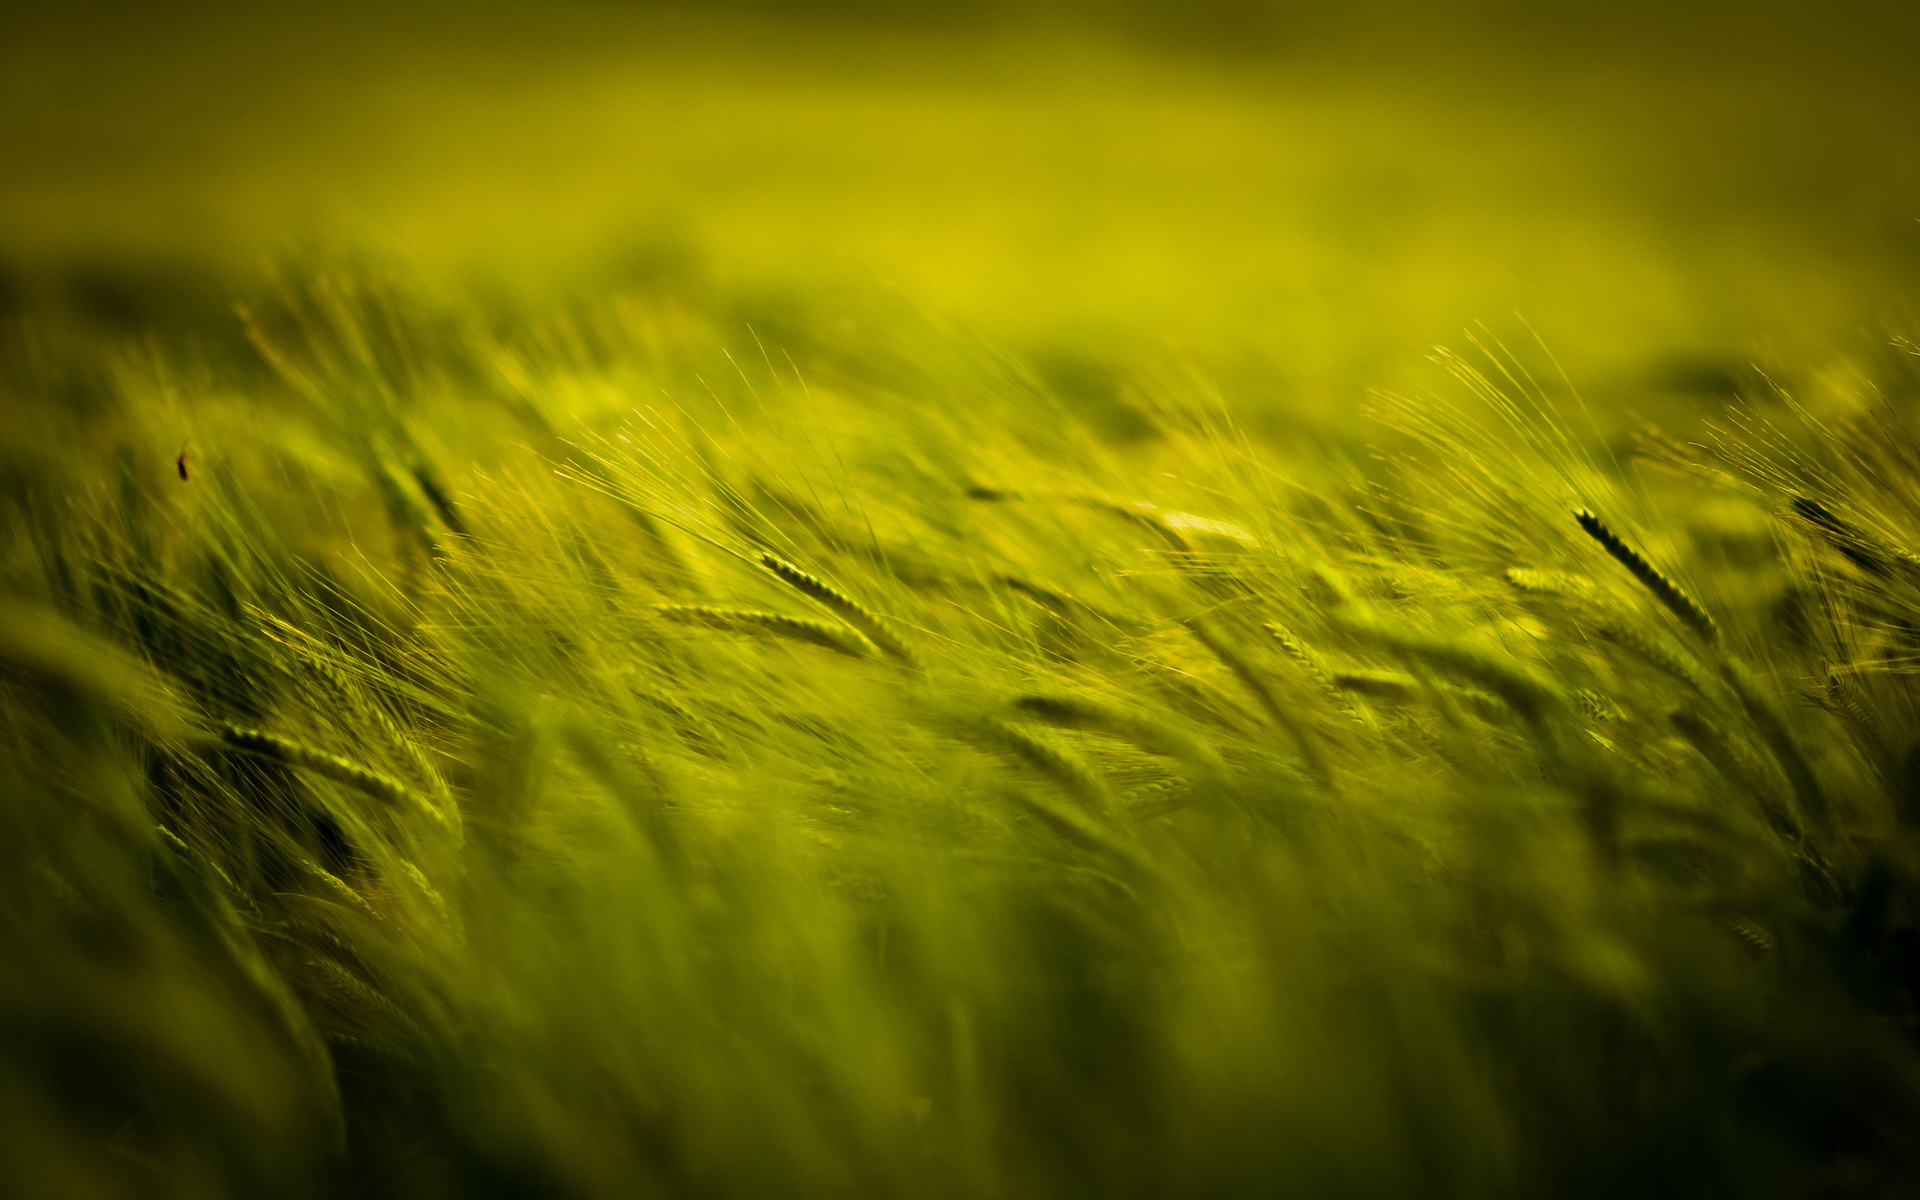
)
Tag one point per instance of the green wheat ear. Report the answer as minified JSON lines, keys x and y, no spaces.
{"x":1758,"y":941}
{"x":328,"y":766}
{"x":837,"y":638}
{"x":1297,"y":729}
{"x":1298,"y":652}
{"x":1855,"y":546}
{"x":1668,"y":592}
{"x":1078,"y":712}
{"x":845,"y":607}
{"x":1057,"y":763}
{"x":1550,"y":583}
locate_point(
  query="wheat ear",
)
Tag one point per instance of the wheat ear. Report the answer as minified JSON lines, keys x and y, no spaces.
{"x":1737,"y":768}
{"x":1758,"y":941}
{"x":329,"y":766}
{"x":1855,"y":546}
{"x":1081,"y":830}
{"x":1078,"y":712}
{"x":845,"y":607}
{"x":1666,"y":590}
{"x":1310,"y":663}
{"x":1648,"y":651}
{"x":739,"y":620}
{"x":1596,"y":618}
{"x":310,"y":651}
{"x":1773,"y":728}
{"x":1303,"y":738}
{"x":1057,"y":763}
{"x":1532,"y":698}
{"x":1839,"y":697}
{"x":1401,"y":689}
{"x":1551,"y":583}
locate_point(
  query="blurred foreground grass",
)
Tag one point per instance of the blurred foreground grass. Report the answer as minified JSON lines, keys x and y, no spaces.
{"x":813,"y":615}
{"x":590,"y":760}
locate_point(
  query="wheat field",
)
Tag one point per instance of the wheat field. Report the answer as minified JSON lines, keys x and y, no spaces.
{"x":699,"y":736}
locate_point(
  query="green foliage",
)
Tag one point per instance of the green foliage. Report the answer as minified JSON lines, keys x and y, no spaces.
{"x":579,"y":761}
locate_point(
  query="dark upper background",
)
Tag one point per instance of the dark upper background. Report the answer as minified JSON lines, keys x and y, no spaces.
{"x":1300,"y":197}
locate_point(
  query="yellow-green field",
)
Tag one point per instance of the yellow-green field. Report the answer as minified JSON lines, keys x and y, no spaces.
{"x":618,"y":600}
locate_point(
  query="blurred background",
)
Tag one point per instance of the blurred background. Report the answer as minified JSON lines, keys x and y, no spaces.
{"x":1298,"y":199}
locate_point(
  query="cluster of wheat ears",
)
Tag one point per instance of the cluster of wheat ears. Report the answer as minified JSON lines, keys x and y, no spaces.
{"x":524,"y":765}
